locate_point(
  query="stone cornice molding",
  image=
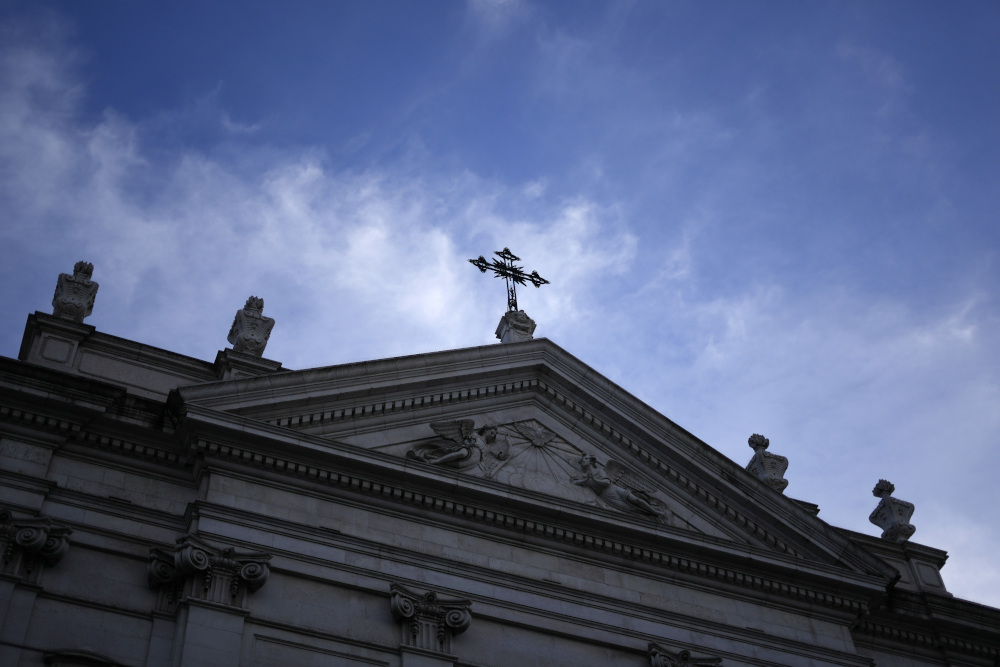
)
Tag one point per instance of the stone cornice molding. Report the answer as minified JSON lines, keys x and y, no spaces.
{"x":746,"y":567}
{"x":27,"y":544}
{"x":139,"y":354}
{"x":515,"y":608}
{"x":661,"y":657}
{"x":194,"y":570}
{"x":544,"y":368}
{"x":315,"y":453}
{"x":24,"y":384}
{"x":429,"y":621}
{"x":922,"y":623}
{"x":250,"y":430}
{"x":921,"y":641}
{"x":230,"y":364}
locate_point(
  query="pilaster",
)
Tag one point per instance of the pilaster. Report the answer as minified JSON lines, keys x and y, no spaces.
{"x":205,"y":588}
{"x":428,"y":624}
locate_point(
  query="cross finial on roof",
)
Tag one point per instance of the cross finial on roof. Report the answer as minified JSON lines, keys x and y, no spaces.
{"x":512,"y":274}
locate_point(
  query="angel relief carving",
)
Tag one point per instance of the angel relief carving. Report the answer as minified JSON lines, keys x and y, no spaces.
{"x":528,"y":455}
{"x":618,"y":487}
{"x":457,"y":446}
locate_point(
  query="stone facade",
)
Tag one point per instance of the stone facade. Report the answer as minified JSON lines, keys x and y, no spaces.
{"x":496,"y":506}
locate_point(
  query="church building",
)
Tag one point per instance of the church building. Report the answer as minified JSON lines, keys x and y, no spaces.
{"x":494,"y":506}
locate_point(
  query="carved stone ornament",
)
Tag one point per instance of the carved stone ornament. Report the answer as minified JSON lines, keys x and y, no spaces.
{"x":195,"y":570}
{"x":457,"y":446}
{"x":528,"y":455}
{"x":618,"y":487}
{"x":661,"y":657}
{"x":74,"y":297}
{"x":251,"y":328}
{"x":515,"y":326}
{"x":28,"y":544}
{"x":892,"y":514}
{"x":427,"y":621}
{"x":765,"y":466}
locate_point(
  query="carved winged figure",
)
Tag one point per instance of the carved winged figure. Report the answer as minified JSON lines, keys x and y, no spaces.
{"x":497,"y":446}
{"x":457,"y":448}
{"x":660,"y":657}
{"x":538,"y":437}
{"x":617,"y":486}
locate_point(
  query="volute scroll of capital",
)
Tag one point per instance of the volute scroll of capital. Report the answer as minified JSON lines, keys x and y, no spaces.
{"x":27,"y":544}
{"x":661,"y":657}
{"x":528,"y":455}
{"x":428,"y":621}
{"x":193,"y":569}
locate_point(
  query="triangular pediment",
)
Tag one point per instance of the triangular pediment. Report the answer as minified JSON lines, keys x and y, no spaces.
{"x":530,"y":420}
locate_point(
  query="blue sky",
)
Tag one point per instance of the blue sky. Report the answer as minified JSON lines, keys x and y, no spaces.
{"x":771,"y":217}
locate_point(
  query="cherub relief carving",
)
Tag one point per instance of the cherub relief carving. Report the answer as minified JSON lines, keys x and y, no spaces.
{"x":457,"y":448}
{"x":618,"y":487}
{"x":497,"y":446}
{"x":528,"y":455}
{"x":661,"y":657}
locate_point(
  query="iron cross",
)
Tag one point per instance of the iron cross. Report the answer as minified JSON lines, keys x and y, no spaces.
{"x":513,"y":275}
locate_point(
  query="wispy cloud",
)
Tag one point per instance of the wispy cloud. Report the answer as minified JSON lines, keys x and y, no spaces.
{"x":361,"y":251}
{"x":716,"y":286}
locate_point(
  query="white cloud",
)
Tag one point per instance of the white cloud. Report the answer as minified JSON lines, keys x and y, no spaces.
{"x":353,"y":258}
{"x":363,"y":263}
{"x":494,"y":17}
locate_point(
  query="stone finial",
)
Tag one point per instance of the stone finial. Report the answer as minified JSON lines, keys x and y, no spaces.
{"x":661,"y":657}
{"x":27,"y":543}
{"x":74,"y":297}
{"x":765,"y":466}
{"x":194,"y":569}
{"x":251,"y":329}
{"x":515,"y":326}
{"x":892,"y":514}
{"x":427,"y":621}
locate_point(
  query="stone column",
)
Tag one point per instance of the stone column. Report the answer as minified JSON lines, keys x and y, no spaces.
{"x":206,"y":589}
{"x":27,"y":547}
{"x":428,"y":624}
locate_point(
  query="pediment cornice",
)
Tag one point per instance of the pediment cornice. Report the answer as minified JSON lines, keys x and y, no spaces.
{"x":375,"y":478}
{"x":338,"y":401}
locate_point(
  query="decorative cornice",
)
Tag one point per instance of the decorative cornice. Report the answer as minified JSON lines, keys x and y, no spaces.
{"x":923,"y":622}
{"x":27,"y":544}
{"x":128,"y":447}
{"x":921,"y":638}
{"x":36,"y":419}
{"x":661,"y":657}
{"x":428,"y":621}
{"x":511,"y":520}
{"x":436,"y":399}
{"x":538,"y":366}
{"x":195,"y":570}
